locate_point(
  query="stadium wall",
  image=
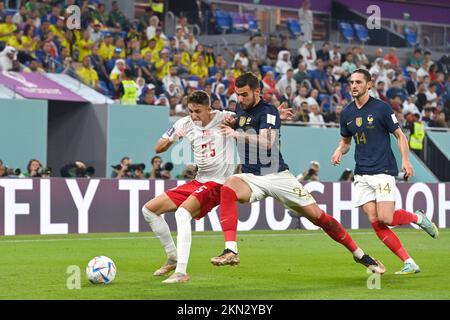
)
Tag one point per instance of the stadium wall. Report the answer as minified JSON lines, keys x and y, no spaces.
{"x":23,"y":131}
{"x":300,"y":145}
{"x":133,"y":131}
{"x":77,"y":131}
{"x":61,"y":206}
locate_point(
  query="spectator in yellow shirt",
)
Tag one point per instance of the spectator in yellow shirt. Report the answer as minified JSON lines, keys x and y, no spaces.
{"x":199,"y":50}
{"x":185,"y":56}
{"x":7,"y":28}
{"x":85,"y":45}
{"x":87,"y":74}
{"x":29,"y":42}
{"x":163,"y":64}
{"x":210,"y":58}
{"x":15,"y":40}
{"x":58,"y":31}
{"x":238,"y":69}
{"x":106,"y":50}
{"x":160,"y":39}
{"x":151,"y":47}
{"x":199,"y":68}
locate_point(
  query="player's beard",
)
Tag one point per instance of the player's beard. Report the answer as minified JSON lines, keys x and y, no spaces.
{"x":360,"y":94}
{"x":251,"y":104}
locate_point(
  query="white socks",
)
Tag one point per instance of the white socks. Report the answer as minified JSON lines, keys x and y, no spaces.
{"x":184,"y":238}
{"x":162,"y":231}
{"x":232,"y":245}
{"x":358,"y":253}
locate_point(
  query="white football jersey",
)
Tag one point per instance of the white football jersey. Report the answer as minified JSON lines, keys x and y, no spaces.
{"x":214,"y":154}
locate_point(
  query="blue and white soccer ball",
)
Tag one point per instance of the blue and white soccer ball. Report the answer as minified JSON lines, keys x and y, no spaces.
{"x":101,"y":269}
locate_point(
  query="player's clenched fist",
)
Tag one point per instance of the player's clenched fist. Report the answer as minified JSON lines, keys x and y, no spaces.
{"x":229,"y":121}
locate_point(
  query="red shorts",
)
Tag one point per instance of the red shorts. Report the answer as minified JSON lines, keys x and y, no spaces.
{"x":208,"y":194}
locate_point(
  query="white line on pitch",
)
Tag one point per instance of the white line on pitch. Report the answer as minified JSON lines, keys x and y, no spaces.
{"x":194,"y":236}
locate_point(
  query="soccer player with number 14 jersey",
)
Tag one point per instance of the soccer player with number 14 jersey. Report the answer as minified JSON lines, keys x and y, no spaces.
{"x":370,"y":121}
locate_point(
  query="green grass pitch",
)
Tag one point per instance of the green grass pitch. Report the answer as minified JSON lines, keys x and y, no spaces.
{"x":284,"y":265}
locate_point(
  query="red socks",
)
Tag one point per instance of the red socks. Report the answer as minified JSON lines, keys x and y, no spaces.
{"x":390,"y":239}
{"x":228,"y":213}
{"x":336,"y":231}
{"x":402,"y":217}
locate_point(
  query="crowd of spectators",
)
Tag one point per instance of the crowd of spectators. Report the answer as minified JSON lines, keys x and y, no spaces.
{"x":134,"y":62}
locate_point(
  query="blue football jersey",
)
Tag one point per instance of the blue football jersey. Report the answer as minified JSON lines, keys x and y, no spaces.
{"x":256,"y":160}
{"x":370,"y":127}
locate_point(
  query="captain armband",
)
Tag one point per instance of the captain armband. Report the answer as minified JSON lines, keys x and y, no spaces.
{"x":170,"y":135}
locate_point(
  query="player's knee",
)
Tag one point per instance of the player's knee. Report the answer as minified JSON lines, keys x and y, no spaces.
{"x":232,"y":183}
{"x":386,"y":219}
{"x":182,"y":215}
{"x":148,"y":215}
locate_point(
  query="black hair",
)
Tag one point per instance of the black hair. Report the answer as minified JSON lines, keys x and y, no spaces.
{"x":248,"y":79}
{"x":365,"y":73}
{"x":156,"y":157}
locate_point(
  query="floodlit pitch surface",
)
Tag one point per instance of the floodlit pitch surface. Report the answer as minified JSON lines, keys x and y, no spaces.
{"x":274,"y":265}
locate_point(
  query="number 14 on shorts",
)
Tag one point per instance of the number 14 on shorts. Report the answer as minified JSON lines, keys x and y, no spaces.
{"x":385,"y":189}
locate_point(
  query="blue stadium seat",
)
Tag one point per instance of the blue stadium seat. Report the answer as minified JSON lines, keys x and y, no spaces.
{"x":238,"y":22}
{"x":294,"y":27}
{"x":223,"y":21}
{"x":252,"y":22}
{"x":410,"y":37}
{"x":10,"y":11}
{"x":361,"y":32}
{"x":265,"y":69}
{"x":346,"y":31}
{"x":193,"y":81}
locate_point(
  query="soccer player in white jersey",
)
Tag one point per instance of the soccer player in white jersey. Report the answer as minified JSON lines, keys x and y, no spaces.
{"x":214,"y":157}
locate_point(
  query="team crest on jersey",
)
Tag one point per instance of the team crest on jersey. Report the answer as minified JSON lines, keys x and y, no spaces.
{"x":242,"y":120}
{"x":370,"y":122}
{"x":359,"y":121}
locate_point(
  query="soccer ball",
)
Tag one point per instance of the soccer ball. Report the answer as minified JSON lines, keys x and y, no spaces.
{"x":101,"y":269}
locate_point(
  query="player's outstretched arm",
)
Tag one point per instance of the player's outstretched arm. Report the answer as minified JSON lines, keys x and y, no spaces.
{"x":163,"y":145}
{"x":402,"y":143}
{"x":343,"y":148}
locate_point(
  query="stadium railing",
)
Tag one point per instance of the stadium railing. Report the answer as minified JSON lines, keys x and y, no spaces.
{"x":326,"y":28}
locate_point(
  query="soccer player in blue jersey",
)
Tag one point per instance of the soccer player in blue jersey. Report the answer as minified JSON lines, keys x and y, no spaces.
{"x":370,"y":121}
{"x":264,"y":174}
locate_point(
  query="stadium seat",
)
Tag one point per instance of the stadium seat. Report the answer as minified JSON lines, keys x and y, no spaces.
{"x":193,"y":81}
{"x":10,"y":12}
{"x":361,"y":32}
{"x":223,"y":21}
{"x":294,"y":28}
{"x":238,"y":22}
{"x":252,"y":23}
{"x":265,"y":69}
{"x":410,"y":37}
{"x":346,"y":31}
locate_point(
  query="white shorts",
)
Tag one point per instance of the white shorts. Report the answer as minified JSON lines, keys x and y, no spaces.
{"x":377,"y":187}
{"x":282,"y":186}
